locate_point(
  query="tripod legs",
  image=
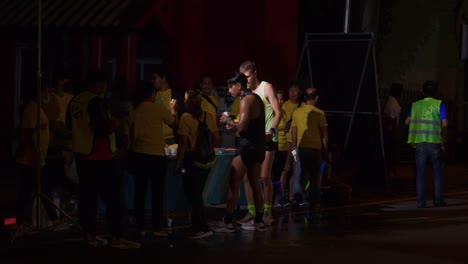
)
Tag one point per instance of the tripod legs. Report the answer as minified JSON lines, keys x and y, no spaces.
{"x":39,"y":199}
{"x":43,"y":196}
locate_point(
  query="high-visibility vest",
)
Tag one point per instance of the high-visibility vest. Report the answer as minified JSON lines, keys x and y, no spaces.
{"x":82,"y":133}
{"x":425,"y":124}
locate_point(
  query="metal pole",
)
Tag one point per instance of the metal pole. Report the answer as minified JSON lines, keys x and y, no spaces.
{"x":309,"y":64}
{"x":298,"y":70}
{"x":346,"y":18}
{"x":38,"y":121}
{"x":379,"y":109}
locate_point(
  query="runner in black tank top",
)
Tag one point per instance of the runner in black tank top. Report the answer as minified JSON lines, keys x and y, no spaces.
{"x":250,"y":153}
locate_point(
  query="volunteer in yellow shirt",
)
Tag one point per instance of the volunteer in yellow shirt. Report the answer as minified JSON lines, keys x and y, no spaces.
{"x":194,"y":177}
{"x":310,"y":139}
{"x":164,"y":96}
{"x":27,"y":159}
{"x":149,"y":158}
{"x":94,"y":147}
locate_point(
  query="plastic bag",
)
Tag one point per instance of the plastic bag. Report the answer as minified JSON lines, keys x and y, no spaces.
{"x":70,"y":172}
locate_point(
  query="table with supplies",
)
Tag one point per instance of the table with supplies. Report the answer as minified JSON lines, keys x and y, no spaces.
{"x":217,"y":184}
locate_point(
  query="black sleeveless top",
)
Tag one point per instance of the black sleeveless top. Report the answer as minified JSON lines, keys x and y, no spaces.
{"x":252,"y":141}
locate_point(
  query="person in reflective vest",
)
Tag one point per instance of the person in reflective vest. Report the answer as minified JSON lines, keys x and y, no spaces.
{"x":94,"y":145}
{"x":426,"y":120}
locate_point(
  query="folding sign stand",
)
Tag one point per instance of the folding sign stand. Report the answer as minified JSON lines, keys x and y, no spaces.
{"x":342,"y":66}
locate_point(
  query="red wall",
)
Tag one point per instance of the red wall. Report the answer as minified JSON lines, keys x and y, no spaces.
{"x":216,"y":36}
{"x":206,"y":36}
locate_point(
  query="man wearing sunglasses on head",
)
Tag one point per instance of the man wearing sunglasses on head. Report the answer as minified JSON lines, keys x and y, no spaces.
{"x":272,"y":119}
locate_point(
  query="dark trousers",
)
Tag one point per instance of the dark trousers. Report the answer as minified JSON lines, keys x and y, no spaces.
{"x":27,"y":185}
{"x":100,"y":177}
{"x":59,"y":182}
{"x":279,"y":164}
{"x":149,"y":169}
{"x":310,"y":166}
{"x":194,"y":183}
{"x":424,"y":152}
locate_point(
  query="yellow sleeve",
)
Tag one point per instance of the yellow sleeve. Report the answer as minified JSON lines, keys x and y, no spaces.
{"x":283,"y":121}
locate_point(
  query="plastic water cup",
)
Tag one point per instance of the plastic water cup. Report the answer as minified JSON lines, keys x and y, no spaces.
{"x":173,"y":152}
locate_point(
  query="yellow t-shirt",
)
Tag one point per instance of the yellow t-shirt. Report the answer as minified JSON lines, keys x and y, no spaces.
{"x":285,"y":138}
{"x":188,"y":126}
{"x":308,"y":120}
{"x":164,"y":98}
{"x":289,"y":108}
{"x":26,"y":153}
{"x":147,"y":132}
